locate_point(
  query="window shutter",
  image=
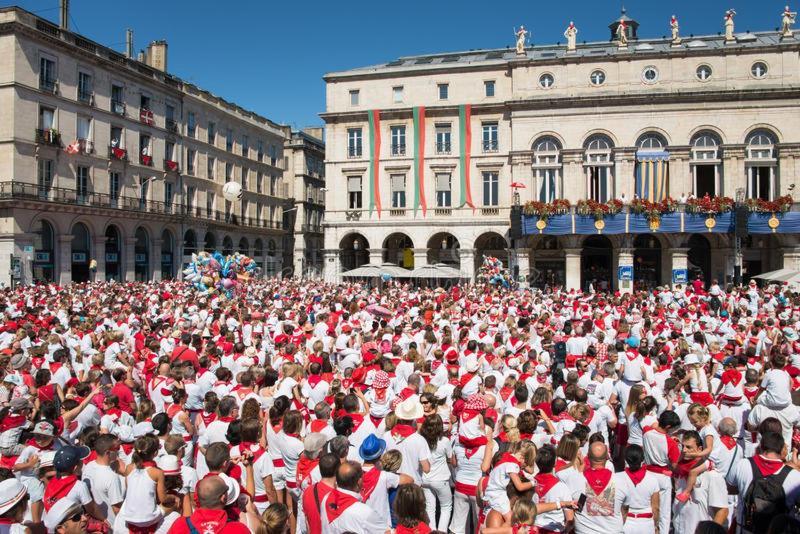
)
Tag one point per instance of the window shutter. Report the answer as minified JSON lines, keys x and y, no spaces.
{"x":398,"y":182}
{"x":443,"y":182}
{"x":354,"y":184}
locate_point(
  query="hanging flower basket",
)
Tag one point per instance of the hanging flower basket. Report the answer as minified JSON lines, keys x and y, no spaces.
{"x":598,"y":210}
{"x":708,"y":205}
{"x":779,"y":205}
{"x":543,"y":210}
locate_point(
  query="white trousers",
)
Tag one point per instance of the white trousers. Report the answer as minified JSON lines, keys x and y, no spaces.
{"x":438,"y":490}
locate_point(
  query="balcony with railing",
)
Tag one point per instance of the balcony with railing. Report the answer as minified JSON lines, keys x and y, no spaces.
{"x":443,"y":148}
{"x":118,"y":107}
{"x":145,"y":160}
{"x":398,"y":149}
{"x":87,"y":97}
{"x":117,"y":153}
{"x":170,"y":165}
{"x":312,"y":228}
{"x":491,"y":145}
{"x":49,"y":85}
{"x":48,"y":136}
{"x":19,"y":191}
{"x":171,"y":125}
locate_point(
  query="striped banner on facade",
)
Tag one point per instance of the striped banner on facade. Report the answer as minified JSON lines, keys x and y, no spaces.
{"x":375,"y":161}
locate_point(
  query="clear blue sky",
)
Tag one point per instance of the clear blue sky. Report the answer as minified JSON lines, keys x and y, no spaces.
{"x":269,"y":55}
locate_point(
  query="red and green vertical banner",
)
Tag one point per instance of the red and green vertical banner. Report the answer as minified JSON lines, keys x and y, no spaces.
{"x":375,"y":160}
{"x":465,"y":142}
{"x":419,"y":160}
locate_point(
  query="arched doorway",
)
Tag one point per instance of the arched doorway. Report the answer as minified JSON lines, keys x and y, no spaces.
{"x":258,"y":253}
{"x":210,"y":242}
{"x":596,"y":263}
{"x":399,"y":249}
{"x":113,"y":253}
{"x":227,"y":245}
{"x":354,"y":251}
{"x":491,"y":244}
{"x":443,"y":248}
{"x":699,"y":257}
{"x":244,"y":246}
{"x":167,"y":255}
{"x":549,"y":269}
{"x":44,"y":252}
{"x":646,"y":261}
{"x":272,"y":258}
{"x":81,"y":252}
{"x":189,"y":243}
{"x":142,"y":255}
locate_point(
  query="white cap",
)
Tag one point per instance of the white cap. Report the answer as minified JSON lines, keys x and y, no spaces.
{"x":169,"y":464}
{"x":11,"y":492}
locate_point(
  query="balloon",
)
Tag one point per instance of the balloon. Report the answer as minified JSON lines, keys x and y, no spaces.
{"x":232,"y":191}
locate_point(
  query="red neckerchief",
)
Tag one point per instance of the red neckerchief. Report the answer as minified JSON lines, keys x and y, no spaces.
{"x":227,"y":419}
{"x":304,"y":467}
{"x":768,"y":466}
{"x":402,"y":430}
{"x":563,"y":416}
{"x":505,"y":393}
{"x":469,"y":415}
{"x":502,"y":436}
{"x":597,"y":478}
{"x":507,"y":458}
{"x":12,"y":421}
{"x":728,"y":441}
{"x":114,"y":414}
{"x":561,"y":465}
{"x":636,"y":476}
{"x":544,"y":483}
{"x":32,"y":443}
{"x":208,"y":418}
{"x":370,"y":482}
{"x":336,"y":504}
{"x":313,"y":380}
{"x":55,"y":366}
{"x":92,"y":457}
{"x":318,"y":425}
{"x":466,"y":379}
{"x":57,"y":489}
{"x":421,"y":528}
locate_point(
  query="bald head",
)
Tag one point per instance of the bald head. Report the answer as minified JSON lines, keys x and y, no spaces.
{"x":490,"y":399}
{"x":598,"y":454}
{"x":348,"y":476}
{"x":727,"y":427}
{"x":211,"y":492}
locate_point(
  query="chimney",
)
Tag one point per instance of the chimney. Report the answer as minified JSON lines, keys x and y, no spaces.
{"x":141,"y":57}
{"x":129,"y":43}
{"x":157,"y":55}
{"x":64,"y":19}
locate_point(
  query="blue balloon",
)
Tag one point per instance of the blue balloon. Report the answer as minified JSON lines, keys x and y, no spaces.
{"x":386,"y":277}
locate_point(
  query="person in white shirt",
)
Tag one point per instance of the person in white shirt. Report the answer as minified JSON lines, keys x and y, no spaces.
{"x":415,"y":450}
{"x":107,"y":487}
{"x":709,"y":497}
{"x":776,"y":386}
{"x":436,"y":482}
{"x":342,"y":510}
{"x":549,"y":489}
{"x":638,"y":491}
{"x":377,"y":482}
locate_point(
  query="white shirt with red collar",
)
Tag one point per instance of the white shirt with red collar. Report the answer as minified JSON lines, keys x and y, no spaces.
{"x":343,"y":511}
{"x":550,"y":489}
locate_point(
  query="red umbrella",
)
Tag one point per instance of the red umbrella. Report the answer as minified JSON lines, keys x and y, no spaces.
{"x":517,"y":185}
{"x":377,"y":309}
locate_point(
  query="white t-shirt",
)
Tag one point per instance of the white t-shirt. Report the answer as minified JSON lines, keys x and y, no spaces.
{"x":468,"y":470}
{"x":595,"y":519}
{"x":106,"y":486}
{"x":709,"y":492}
{"x":553,"y":520}
{"x":777,"y":386}
{"x":414,"y":449}
{"x":742,"y":477}
{"x":378,"y":500}
{"x":440,"y":468}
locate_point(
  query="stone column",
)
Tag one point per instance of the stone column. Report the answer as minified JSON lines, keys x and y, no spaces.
{"x":466,"y":257}
{"x":376,"y":256}
{"x":155,"y":260}
{"x":524,"y":262}
{"x":130,"y":259}
{"x":624,"y":179}
{"x":680,"y":175}
{"x":573,"y":268}
{"x":728,"y":263}
{"x":574,"y":180}
{"x":680,"y":260}
{"x":733,"y":171}
{"x":791,"y":258}
{"x":420,"y":257}
{"x":100,"y":257}
{"x":64,"y":264}
{"x":625,"y":259}
{"x":331,"y":265}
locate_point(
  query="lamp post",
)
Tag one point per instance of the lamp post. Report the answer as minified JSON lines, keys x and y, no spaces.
{"x":737,"y":267}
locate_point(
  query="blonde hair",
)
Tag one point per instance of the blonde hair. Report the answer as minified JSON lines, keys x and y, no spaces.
{"x":274,"y":519}
{"x":698,"y":412}
{"x":523,"y":513}
{"x":526,"y":450}
{"x":509,"y":424}
{"x":568,"y":447}
{"x":391,"y":460}
{"x":634,"y":396}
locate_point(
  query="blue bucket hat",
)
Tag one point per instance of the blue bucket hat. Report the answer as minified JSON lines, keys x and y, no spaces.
{"x":633,"y":342}
{"x":372,"y":448}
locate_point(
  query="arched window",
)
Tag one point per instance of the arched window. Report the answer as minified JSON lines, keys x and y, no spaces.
{"x":244,"y":246}
{"x":598,"y":162}
{"x":142,"y":255}
{"x":547,"y":167}
{"x":705,"y":164}
{"x":652,"y":167}
{"x":762,"y":164}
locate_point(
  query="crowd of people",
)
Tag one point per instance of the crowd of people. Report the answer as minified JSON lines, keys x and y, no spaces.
{"x":312,"y":407}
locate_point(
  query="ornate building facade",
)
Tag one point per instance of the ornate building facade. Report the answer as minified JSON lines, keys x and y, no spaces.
{"x":426,"y":154}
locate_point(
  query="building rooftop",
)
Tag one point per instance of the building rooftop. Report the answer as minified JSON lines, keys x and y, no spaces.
{"x":548,"y":53}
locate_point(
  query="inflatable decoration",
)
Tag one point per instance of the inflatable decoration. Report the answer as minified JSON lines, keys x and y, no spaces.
{"x":211,"y":272}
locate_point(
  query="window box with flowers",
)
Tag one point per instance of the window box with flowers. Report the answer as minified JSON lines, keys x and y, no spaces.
{"x":598,"y":210}
{"x":708,"y":205}
{"x":779,"y":205}
{"x":543,"y":210}
{"x":653,"y":211}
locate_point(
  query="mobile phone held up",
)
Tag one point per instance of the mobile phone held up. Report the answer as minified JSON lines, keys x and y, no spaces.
{"x":581,"y":502}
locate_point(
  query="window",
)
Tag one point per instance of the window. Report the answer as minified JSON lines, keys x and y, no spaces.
{"x":245,"y":146}
{"x":168,"y":196}
{"x":273,"y":185}
{"x":245,"y":178}
{"x":169,"y":151}
{"x":650,"y":75}
{"x":117,"y":99}
{"x":651,"y":143}
{"x":145,"y":150}
{"x":598,"y":166}
{"x":547,"y":166}
{"x":398,"y":186}
{"x":488,"y":88}
{"x":116,"y":137}
{"x":169,"y":118}
{"x":84,"y":87}
{"x":228,"y":171}
{"x":443,"y":137}
{"x":703,"y":73}
{"x":113,"y":186}
{"x":45,"y":168}
{"x":354,"y":143}
{"x":84,"y":130}
{"x":259,"y":183}
{"x":490,"y":143}
{"x":260,"y":155}
{"x":46,"y":118}
{"x":47,"y":75}
{"x":444,"y":89}
{"x":443,"y":190}
{"x":354,"y":192}
{"x":705,"y":164}
{"x":597,"y":77}
{"x":82,"y":184}
{"x":144,"y":103}
{"x":212,"y":133}
{"x":191,"y":154}
{"x":209,"y":204}
{"x":191,"y":193}
{"x":759,"y":69}
{"x":397,"y":94}
{"x":398,"y":134}
{"x":191,"y":124}
{"x":273,"y":155}
{"x":210,"y":164}
{"x":229,"y":140}
{"x":761,"y":163}
{"x":354,"y":94}
{"x":546,"y":80}
{"x":491,"y":188}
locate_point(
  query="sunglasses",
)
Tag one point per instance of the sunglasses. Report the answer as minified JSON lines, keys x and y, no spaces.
{"x":77,"y":516}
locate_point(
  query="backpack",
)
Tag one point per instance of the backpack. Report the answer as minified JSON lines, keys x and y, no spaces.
{"x":764,"y":499}
{"x":560,"y":351}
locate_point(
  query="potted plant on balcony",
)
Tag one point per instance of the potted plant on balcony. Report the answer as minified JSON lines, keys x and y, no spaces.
{"x":779,"y":205}
{"x":543,"y":210}
{"x":598,"y":210}
{"x":708,"y":205}
{"x":653,"y":210}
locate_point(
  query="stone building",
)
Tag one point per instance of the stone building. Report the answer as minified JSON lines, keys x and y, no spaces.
{"x":111,"y":159}
{"x":422,"y":152}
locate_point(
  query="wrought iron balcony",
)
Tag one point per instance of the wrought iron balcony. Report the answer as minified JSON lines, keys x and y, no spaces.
{"x":399,"y":149}
{"x":491,"y":146}
{"x":48,"y":136}
{"x":442,"y":148}
{"x":118,"y":107}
